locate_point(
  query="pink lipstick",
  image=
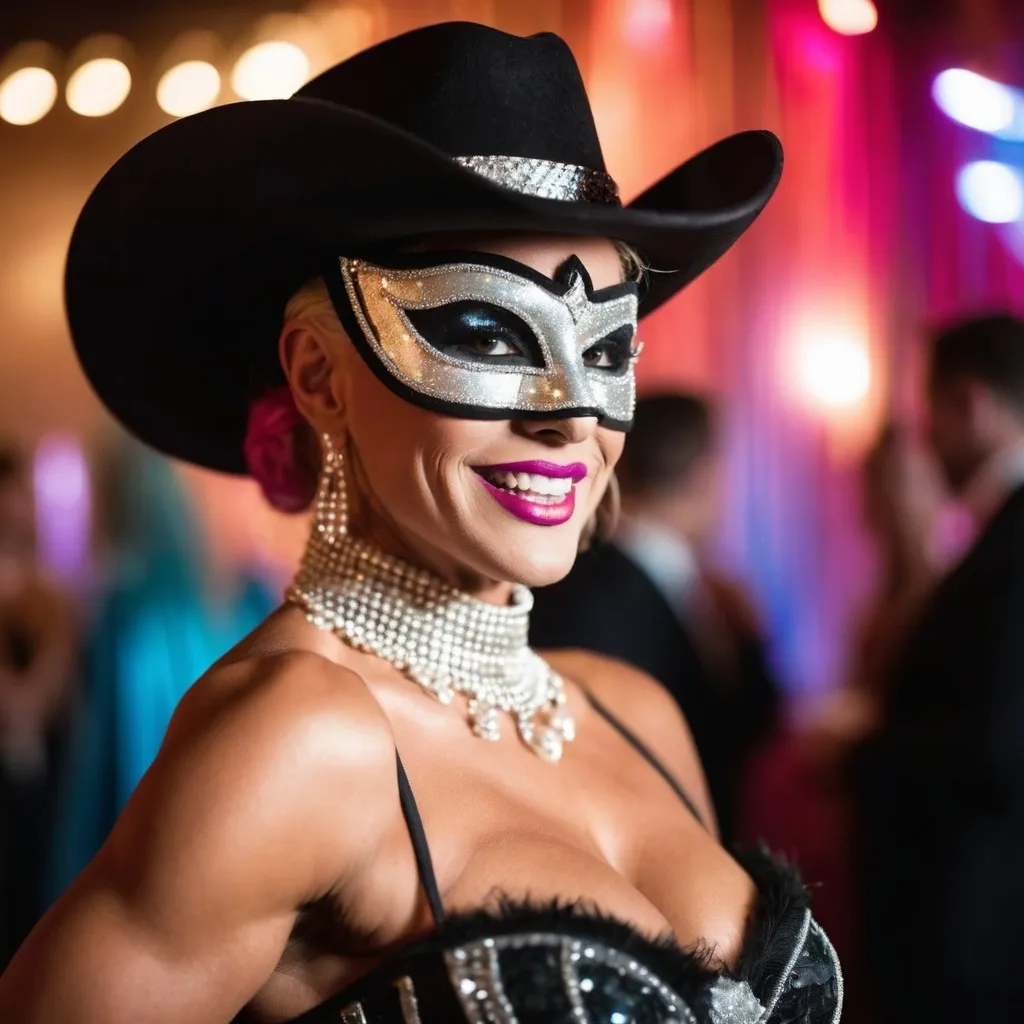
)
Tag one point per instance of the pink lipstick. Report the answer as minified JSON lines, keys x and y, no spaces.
{"x":538,"y":492}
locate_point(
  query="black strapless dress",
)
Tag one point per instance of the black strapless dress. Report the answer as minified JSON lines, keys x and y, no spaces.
{"x":555,"y":964}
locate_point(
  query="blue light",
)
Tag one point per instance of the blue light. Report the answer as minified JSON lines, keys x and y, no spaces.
{"x":991,"y":192}
{"x":975,"y":101}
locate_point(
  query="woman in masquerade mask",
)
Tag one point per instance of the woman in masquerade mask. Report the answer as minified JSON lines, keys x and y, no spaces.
{"x":383,"y":806}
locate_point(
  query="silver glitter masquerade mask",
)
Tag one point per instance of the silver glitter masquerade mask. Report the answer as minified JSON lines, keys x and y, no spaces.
{"x":480,"y":336}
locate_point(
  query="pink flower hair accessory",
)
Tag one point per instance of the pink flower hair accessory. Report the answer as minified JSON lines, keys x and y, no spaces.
{"x":272,"y":451}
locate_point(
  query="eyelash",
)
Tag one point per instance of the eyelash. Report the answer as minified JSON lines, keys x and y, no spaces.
{"x":618,"y":346}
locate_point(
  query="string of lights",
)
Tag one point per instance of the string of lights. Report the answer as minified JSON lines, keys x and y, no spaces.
{"x":98,"y":77}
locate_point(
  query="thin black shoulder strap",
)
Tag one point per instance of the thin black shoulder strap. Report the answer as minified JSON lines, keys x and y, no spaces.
{"x":641,"y":748}
{"x":420,"y":847}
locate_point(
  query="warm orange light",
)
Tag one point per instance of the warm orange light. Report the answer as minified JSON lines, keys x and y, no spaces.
{"x":27,"y":95}
{"x":849,"y":17}
{"x":188,"y":87}
{"x":270,"y":70}
{"x":99,"y":87}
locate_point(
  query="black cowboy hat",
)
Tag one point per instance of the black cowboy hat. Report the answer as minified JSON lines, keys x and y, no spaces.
{"x":185,"y":254}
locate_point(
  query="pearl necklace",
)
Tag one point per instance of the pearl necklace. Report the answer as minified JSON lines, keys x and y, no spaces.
{"x":441,"y":638}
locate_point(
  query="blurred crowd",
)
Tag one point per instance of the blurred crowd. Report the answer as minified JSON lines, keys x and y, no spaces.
{"x":900,"y":792}
{"x":89,"y":680}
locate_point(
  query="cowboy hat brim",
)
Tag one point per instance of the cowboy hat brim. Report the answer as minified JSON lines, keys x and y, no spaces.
{"x":185,"y":254}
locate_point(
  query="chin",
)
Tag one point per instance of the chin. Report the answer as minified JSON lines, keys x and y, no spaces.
{"x":539,"y":564}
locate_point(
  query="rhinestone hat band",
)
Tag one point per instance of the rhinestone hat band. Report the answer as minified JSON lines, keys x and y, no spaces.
{"x":546,"y":179}
{"x":444,"y":640}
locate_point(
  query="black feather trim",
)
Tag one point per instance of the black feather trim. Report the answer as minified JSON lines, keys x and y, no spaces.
{"x":774,"y":928}
{"x":683,"y":969}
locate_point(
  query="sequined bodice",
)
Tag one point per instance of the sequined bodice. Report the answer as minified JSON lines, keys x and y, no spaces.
{"x":559,"y":964}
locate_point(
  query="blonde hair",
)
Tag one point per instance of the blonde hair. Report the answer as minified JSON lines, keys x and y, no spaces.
{"x":312,"y":303}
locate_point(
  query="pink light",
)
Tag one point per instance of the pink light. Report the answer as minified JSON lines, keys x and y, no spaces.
{"x":849,"y":17}
{"x":648,"y":22}
{"x":63,"y":508}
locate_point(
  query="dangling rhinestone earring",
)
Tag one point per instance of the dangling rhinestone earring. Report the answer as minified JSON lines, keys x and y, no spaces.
{"x":331,"y":516}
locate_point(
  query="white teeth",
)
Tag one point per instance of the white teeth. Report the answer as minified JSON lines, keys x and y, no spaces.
{"x":533,"y":483}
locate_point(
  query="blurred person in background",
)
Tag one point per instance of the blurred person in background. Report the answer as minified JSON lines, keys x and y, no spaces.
{"x":801,"y":800}
{"x":37,"y":655}
{"x":940,"y":785}
{"x":903,"y":502}
{"x":902,"y":505}
{"x":652,"y":599}
{"x":175,"y":594}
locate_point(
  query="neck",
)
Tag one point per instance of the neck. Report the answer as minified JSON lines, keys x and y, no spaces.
{"x":384,"y":536}
{"x":444,"y":640}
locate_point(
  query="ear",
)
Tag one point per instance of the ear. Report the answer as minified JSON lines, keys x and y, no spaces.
{"x":311,"y":361}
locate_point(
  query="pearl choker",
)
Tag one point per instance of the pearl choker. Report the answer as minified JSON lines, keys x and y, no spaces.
{"x":441,"y":638}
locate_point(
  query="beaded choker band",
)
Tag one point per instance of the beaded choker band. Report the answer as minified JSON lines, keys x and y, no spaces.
{"x":444,"y":640}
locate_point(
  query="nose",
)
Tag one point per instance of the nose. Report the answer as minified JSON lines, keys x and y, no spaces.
{"x":558,"y":432}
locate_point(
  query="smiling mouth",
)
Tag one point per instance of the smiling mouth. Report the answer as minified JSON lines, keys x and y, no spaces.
{"x":537,"y":491}
{"x":536,"y":487}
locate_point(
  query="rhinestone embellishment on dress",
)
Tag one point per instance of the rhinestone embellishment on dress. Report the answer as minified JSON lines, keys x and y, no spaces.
{"x":733,"y":1002}
{"x":444,"y":640}
{"x":592,"y":976}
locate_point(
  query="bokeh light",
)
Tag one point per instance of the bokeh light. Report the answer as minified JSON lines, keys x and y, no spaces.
{"x":648,"y":22}
{"x":270,"y":70}
{"x":27,"y":95}
{"x":833,"y":365}
{"x":99,"y":87}
{"x":63,"y":507}
{"x":973,"y":100}
{"x":849,"y":17}
{"x":991,"y":191}
{"x":188,"y":87}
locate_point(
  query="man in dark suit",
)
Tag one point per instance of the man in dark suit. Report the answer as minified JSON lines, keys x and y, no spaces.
{"x":648,"y":599}
{"x":941,"y":785}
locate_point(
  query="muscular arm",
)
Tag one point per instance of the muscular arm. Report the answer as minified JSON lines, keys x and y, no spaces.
{"x":185,"y":911}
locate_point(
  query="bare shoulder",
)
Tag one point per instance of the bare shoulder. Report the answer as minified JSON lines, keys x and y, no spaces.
{"x":270,"y":748}
{"x":647,"y":709}
{"x":277,"y":698}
